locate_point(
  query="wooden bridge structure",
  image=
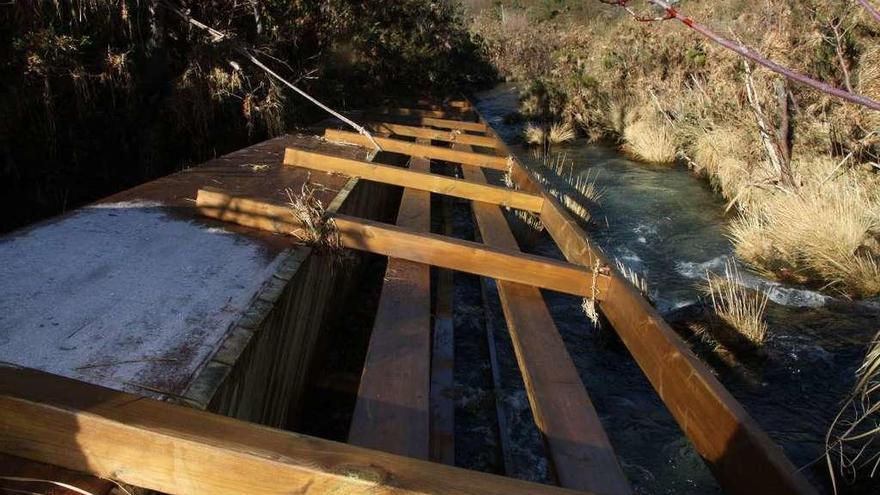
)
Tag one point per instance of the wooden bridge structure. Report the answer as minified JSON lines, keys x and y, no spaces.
{"x":401,"y":437}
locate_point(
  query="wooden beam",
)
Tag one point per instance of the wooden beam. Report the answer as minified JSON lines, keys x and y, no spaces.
{"x":390,"y":240}
{"x":392,"y":411}
{"x":454,"y":124}
{"x":449,"y":124}
{"x":579,"y":449}
{"x":449,"y":103}
{"x":416,"y":149}
{"x":420,"y":112}
{"x":448,"y":136}
{"x":742,"y":457}
{"x":415,"y":179}
{"x":179,"y":450}
{"x":443,"y":358}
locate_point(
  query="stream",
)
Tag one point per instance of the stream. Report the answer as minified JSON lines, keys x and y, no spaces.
{"x":667,"y":225}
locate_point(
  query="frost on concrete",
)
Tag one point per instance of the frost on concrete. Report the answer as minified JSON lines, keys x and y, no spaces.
{"x":125,"y":295}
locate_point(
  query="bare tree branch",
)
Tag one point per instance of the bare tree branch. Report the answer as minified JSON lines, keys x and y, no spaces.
{"x":673,"y":13}
{"x":218,"y":36}
{"x":871,"y":9}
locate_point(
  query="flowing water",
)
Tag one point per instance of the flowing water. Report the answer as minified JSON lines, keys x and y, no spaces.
{"x":666,"y":224}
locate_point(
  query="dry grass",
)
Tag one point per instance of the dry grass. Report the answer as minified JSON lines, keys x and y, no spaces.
{"x":664,"y":100}
{"x":826,"y":230}
{"x":722,"y":155}
{"x":638,"y":281}
{"x":739,"y":307}
{"x":650,"y":139}
{"x":561,"y":132}
{"x":534,"y":134}
{"x":577,"y":191}
{"x":851,"y":444}
{"x":317,"y":231}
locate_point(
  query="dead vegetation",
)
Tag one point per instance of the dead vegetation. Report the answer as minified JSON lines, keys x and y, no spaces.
{"x":792,"y":162}
{"x":851,"y":443}
{"x":318,"y":229}
{"x":740,"y":308}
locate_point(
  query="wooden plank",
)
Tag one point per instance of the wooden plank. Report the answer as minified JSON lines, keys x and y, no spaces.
{"x":448,"y":136}
{"x":455,"y":105}
{"x":443,"y":359}
{"x":179,"y":450}
{"x":454,"y":124}
{"x":416,"y":149}
{"x":392,"y":410}
{"x":16,"y":467}
{"x":501,"y":410}
{"x":420,"y":112}
{"x":390,"y":240}
{"x":742,"y":457}
{"x":415,"y":179}
{"x":448,"y":124}
{"x":579,"y":449}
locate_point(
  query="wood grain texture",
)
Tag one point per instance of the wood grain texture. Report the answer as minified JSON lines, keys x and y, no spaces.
{"x":448,"y":136}
{"x":16,"y":467}
{"x":422,"y":112}
{"x":415,"y":179}
{"x":453,"y":124}
{"x":443,"y":359}
{"x":578,"y":446}
{"x":392,"y":409}
{"x":740,"y":454}
{"x":416,"y":149}
{"x":393,"y":241}
{"x":179,"y":450}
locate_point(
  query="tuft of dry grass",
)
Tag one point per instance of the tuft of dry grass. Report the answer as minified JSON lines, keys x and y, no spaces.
{"x":318,"y":230}
{"x":739,"y":307}
{"x":650,"y":139}
{"x":576,"y":191}
{"x":851,"y":444}
{"x":826,"y":230}
{"x":561,"y":132}
{"x":638,"y":281}
{"x":534,"y":134}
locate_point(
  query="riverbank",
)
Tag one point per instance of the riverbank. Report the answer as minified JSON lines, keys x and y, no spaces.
{"x":813,"y":218}
{"x":668,"y":226}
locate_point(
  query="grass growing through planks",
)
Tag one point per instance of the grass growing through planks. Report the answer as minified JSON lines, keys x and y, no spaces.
{"x":851,"y":445}
{"x":736,"y":305}
{"x":317,"y":231}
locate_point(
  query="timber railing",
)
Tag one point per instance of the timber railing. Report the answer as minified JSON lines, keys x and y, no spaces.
{"x":400,"y":407}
